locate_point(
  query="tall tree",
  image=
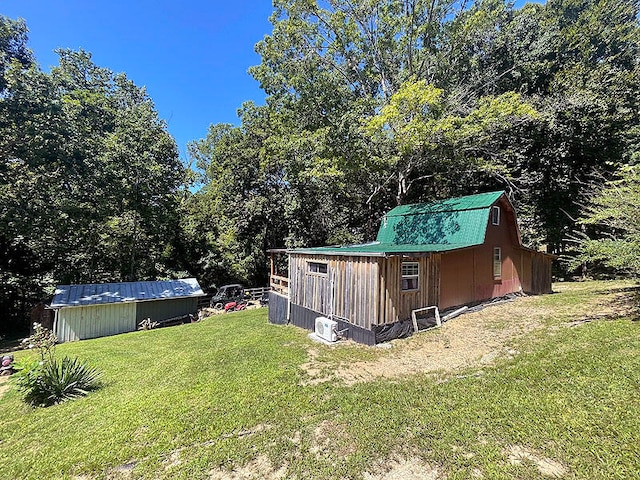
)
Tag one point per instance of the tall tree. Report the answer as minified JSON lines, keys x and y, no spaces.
{"x":89,"y":179}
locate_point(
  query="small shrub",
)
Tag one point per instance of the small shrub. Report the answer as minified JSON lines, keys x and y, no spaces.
{"x":54,"y":381}
{"x":43,"y":340}
{"x":27,"y":374}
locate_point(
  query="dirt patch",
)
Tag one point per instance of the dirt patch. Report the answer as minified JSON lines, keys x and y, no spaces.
{"x":172,"y":461}
{"x":313,"y":368}
{"x":4,"y":385}
{"x":261,"y":427}
{"x":406,"y":469}
{"x":121,"y":472}
{"x":333,"y":437}
{"x":473,"y":339}
{"x":613,"y":306}
{"x":259,"y":468}
{"x":547,"y":467}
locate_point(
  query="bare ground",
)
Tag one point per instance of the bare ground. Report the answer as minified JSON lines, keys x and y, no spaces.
{"x":546,"y":466}
{"x":4,"y":385}
{"x":470,"y":340}
{"x":406,"y":469}
{"x":260,"y":468}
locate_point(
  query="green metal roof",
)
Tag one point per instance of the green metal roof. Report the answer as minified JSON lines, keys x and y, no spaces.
{"x":463,"y":227}
{"x":430,"y":227}
{"x":469,"y":202}
{"x":377,"y":249}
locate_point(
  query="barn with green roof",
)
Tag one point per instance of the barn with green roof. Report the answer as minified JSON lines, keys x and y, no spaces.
{"x":448,"y":253}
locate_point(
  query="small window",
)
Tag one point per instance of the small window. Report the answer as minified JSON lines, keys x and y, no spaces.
{"x":495,"y":215}
{"x":497,"y":262}
{"x":317,"y":267}
{"x":410,"y":275}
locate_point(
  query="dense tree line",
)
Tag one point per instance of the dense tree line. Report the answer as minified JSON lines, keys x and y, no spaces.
{"x":369,"y":104}
{"x":89,"y":177}
{"x":375,"y":103}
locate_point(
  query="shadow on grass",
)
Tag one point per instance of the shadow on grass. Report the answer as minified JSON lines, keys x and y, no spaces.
{"x":10,"y":345}
{"x":625,"y":305}
{"x":633,"y":289}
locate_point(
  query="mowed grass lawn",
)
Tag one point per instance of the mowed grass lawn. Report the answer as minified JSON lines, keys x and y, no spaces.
{"x":228,"y":398}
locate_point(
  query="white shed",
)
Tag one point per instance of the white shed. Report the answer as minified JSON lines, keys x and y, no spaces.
{"x":98,"y":310}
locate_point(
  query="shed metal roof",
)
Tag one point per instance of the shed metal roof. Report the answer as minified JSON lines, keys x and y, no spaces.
{"x":105,"y":293}
{"x":440,"y":226}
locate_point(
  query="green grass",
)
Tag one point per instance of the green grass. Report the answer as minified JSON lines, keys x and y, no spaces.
{"x":180,"y":402}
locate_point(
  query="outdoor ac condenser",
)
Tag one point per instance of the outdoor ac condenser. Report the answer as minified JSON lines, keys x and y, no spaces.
{"x":326,"y":329}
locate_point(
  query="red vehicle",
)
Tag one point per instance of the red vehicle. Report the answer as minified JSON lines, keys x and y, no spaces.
{"x":227,"y":294}
{"x":235,"y":306}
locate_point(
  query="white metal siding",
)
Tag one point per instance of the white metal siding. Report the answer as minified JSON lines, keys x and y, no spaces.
{"x":79,"y":323}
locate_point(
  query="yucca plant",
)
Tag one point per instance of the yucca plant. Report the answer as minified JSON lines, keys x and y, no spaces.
{"x":58,"y":380}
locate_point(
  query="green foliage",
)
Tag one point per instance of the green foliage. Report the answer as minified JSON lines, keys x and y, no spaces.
{"x":614,"y":212}
{"x":89,"y":177}
{"x":13,"y":46}
{"x":53,"y":381}
{"x":428,"y":137}
{"x":27,"y":374}
{"x":372,"y":104}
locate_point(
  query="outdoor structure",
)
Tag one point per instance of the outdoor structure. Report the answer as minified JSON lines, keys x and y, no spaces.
{"x":448,"y":253}
{"x":98,"y":310}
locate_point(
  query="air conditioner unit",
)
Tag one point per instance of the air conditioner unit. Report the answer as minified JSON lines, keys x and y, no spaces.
{"x":326,"y":329}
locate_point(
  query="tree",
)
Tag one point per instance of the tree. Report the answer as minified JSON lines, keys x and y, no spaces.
{"x":371,"y":104}
{"x":13,"y":46}
{"x":89,"y":179}
{"x":428,"y":140}
{"x":614,"y":215}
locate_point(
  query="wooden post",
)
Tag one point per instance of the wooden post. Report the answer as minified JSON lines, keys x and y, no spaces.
{"x":272,"y":264}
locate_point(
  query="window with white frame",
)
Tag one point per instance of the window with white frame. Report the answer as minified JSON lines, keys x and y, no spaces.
{"x":495,"y":215}
{"x":497,"y":262}
{"x":410,"y":276}
{"x":317,"y":267}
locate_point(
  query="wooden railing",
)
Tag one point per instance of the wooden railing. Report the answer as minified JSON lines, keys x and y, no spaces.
{"x":280,"y":284}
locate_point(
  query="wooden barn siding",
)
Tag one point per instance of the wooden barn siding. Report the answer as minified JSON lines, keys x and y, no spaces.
{"x":540,"y":273}
{"x":306,"y":318}
{"x":467,"y":275}
{"x":278,"y":308}
{"x":355,"y":284}
{"x":393,"y":303}
{"x":525,"y":271}
{"x":458,"y":278}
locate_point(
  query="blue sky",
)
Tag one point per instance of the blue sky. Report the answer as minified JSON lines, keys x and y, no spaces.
{"x":191,"y":56}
